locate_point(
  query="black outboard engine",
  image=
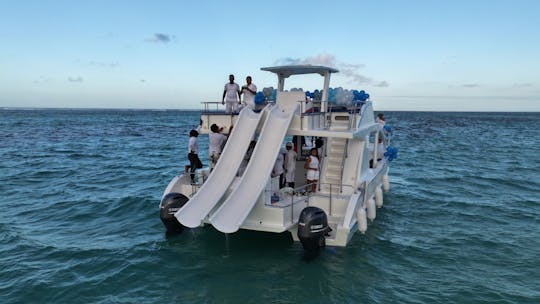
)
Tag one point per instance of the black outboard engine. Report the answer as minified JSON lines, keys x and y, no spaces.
{"x":171,"y":203}
{"x":312,"y":227}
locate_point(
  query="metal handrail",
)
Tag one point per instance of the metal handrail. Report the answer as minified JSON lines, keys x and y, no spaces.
{"x":345,"y":155}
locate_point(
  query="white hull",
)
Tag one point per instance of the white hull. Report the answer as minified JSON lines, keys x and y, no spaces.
{"x":250,"y":201}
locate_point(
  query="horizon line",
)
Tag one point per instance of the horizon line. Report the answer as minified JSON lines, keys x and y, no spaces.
{"x":198,"y":110}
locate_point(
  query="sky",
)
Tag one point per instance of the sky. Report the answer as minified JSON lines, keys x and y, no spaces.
{"x":408,"y":55}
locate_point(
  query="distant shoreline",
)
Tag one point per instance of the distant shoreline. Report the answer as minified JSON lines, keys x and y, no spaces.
{"x":90,"y":109}
{"x":199,"y":110}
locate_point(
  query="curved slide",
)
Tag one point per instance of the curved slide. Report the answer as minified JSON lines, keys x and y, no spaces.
{"x":197,"y":208}
{"x":233,"y":212}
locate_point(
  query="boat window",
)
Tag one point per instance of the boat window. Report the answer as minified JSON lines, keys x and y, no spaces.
{"x":341,"y":117}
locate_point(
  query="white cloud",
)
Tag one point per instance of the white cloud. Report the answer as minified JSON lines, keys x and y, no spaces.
{"x":75,"y":79}
{"x":160,"y":38}
{"x":348,"y":70}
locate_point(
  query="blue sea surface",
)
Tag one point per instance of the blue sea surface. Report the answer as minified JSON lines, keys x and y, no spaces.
{"x":79,"y":217}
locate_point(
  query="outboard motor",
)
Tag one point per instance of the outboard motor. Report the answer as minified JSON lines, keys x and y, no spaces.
{"x":171,"y":203}
{"x":312,"y":227}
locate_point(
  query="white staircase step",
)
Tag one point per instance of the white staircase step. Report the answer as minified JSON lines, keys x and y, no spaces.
{"x":333,"y":169}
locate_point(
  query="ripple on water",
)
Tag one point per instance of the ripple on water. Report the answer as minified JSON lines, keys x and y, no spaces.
{"x":79,"y":220}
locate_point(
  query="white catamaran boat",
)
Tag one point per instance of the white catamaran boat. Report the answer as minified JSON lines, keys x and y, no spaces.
{"x":235,"y":196}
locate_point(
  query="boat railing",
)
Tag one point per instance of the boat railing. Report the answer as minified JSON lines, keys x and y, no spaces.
{"x":333,"y":190}
{"x":213,"y":107}
{"x":303,"y":194}
{"x":324,"y":119}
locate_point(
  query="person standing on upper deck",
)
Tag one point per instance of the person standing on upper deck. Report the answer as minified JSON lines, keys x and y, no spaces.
{"x":249,"y":90}
{"x":231,"y":96}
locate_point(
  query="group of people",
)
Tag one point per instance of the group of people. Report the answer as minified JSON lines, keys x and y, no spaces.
{"x":232,"y":95}
{"x":216,"y":141}
{"x":285,"y":168}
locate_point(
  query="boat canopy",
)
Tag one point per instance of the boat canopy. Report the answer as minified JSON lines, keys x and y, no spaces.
{"x":285,"y":71}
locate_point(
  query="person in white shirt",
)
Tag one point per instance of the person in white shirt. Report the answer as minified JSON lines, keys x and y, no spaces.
{"x":193,"y":154}
{"x":278,"y":169}
{"x":216,"y":143}
{"x":312,"y":169}
{"x":290,"y":165}
{"x":231,"y":96}
{"x":249,"y":90}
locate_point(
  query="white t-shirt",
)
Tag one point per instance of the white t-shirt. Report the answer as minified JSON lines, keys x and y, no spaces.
{"x":216,"y":141}
{"x":290,"y":165}
{"x":314,"y":163}
{"x":278,"y":166}
{"x":313,"y":173}
{"x":249,"y":98}
{"x":231,"y":90}
{"x":193,"y":145}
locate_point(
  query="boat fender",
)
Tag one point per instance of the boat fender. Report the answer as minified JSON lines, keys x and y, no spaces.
{"x":362,"y":219}
{"x":378,"y":197}
{"x":312,"y":228}
{"x":371,"y":212}
{"x":386,"y":183}
{"x":169,"y":205}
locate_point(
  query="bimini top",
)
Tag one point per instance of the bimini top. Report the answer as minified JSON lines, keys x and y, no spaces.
{"x":288,"y":70}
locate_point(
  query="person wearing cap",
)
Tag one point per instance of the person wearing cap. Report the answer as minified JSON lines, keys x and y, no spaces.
{"x":290,"y":165}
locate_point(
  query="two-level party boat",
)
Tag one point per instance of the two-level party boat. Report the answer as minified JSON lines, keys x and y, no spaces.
{"x":234,"y":196}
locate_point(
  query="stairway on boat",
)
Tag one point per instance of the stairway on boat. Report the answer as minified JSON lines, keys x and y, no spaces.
{"x":335,"y":156}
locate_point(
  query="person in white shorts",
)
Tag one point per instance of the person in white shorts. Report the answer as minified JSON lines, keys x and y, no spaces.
{"x":249,"y":90}
{"x":312,"y":169}
{"x":231,"y":96}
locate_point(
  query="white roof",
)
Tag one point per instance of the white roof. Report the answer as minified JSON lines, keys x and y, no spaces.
{"x":288,"y":70}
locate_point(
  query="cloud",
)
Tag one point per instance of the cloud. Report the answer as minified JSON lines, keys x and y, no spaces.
{"x":75,"y":79}
{"x":104,"y":64}
{"x":349,"y":70}
{"x":321,"y":59}
{"x":160,"y":38}
{"x":522,"y":85}
{"x":42,"y":79}
{"x":470,"y":85}
{"x":382,"y":84}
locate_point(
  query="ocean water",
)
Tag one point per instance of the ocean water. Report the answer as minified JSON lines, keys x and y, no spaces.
{"x":79,"y":217}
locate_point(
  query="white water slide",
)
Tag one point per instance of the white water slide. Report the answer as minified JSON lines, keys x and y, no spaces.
{"x":234,"y":210}
{"x":197,"y":208}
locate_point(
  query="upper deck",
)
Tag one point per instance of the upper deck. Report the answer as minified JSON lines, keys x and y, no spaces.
{"x":316,"y":117}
